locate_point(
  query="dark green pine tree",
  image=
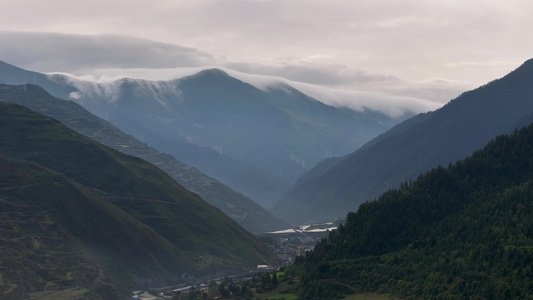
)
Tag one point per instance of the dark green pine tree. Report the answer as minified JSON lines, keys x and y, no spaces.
{"x":274,"y":279}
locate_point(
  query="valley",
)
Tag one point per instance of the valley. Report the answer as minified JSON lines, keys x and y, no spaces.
{"x":290,"y":243}
{"x":413,"y":147}
{"x":242,"y":209}
{"x":199,"y":184}
{"x":255,"y":141}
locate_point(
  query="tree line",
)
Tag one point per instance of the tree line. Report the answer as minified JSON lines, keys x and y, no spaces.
{"x":464,"y":231}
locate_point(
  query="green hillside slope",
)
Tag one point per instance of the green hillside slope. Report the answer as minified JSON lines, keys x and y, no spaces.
{"x":243,"y":210}
{"x":207,"y":240}
{"x":58,"y":235}
{"x":459,"y":232}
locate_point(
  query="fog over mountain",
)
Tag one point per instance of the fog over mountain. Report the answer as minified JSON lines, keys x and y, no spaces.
{"x":121,"y":56}
{"x":241,"y":209}
{"x":412,"y":147}
{"x":389,"y":89}
{"x":257,"y":134}
{"x":387,"y":103}
{"x":277,"y":113}
{"x":274,"y":128}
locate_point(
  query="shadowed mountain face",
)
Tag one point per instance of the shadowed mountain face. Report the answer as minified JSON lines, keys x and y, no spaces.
{"x":255,"y":141}
{"x":456,"y":130}
{"x":117,"y":217}
{"x":240,"y":208}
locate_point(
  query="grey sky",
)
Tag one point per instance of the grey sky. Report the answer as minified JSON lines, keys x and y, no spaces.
{"x":428,"y":49}
{"x":65,"y":52}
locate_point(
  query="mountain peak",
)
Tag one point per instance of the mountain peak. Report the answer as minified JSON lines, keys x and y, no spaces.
{"x":210,"y":77}
{"x":523,"y":71}
{"x":528,"y":62}
{"x":212,"y":74}
{"x":213,"y":78}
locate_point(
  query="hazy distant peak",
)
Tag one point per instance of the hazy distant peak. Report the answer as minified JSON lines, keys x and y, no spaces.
{"x":107,"y":81}
{"x":394,"y":106}
{"x":211,"y":77}
{"x":212,"y":73}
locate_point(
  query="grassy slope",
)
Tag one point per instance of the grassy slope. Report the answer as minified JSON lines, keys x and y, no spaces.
{"x":242,"y":209}
{"x":139,"y":188}
{"x":57,"y":234}
{"x":369,"y":296}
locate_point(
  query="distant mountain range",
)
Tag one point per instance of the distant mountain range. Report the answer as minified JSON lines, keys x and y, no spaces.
{"x":257,"y":141}
{"x":467,"y":123}
{"x":243,"y":210}
{"x":84,"y":219}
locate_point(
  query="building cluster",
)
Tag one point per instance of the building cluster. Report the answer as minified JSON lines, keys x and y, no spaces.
{"x":287,"y":247}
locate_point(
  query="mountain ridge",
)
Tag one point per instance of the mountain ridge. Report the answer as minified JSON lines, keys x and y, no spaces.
{"x":206,"y":239}
{"x":242,"y":209}
{"x":455,"y":232}
{"x":181,"y":114}
{"x":427,"y":140}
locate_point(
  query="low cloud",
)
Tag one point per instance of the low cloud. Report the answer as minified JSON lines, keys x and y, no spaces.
{"x":46,"y":52}
{"x":315,"y":73}
{"x":344,"y":78}
{"x":161,"y":82}
{"x":392,"y":104}
{"x":395,"y":106}
{"x":110,"y":57}
{"x":106,"y":58}
{"x":439,"y":89}
{"x":75,"y":96}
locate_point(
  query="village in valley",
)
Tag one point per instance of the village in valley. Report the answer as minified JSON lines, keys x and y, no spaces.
{"x":287,"y":244}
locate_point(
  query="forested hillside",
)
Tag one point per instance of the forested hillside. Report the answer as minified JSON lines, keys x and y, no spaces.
{"x":457,"y":232}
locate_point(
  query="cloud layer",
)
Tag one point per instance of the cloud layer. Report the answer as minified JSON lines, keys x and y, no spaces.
{"x":414,"y":48}
{"x":49,"y":52}
{"x":105,"y":82}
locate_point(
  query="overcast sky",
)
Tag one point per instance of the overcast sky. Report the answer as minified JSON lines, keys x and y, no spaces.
{"x":419,"y":48}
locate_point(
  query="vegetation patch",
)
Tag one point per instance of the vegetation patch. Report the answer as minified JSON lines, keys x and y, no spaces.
{"x":67,"y":294}
{"x":76,"y":213}
{"x":370,"y":296}
{"x":455,"y":233}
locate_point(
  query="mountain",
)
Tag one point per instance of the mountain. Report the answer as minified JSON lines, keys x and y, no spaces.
{"x":243,"y":210}
{"x":116,"y":216}
{"x":462,"y":232}
{"x":57,"y":234}
{"x":256,"y":141}
{"x":425,"y":141}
